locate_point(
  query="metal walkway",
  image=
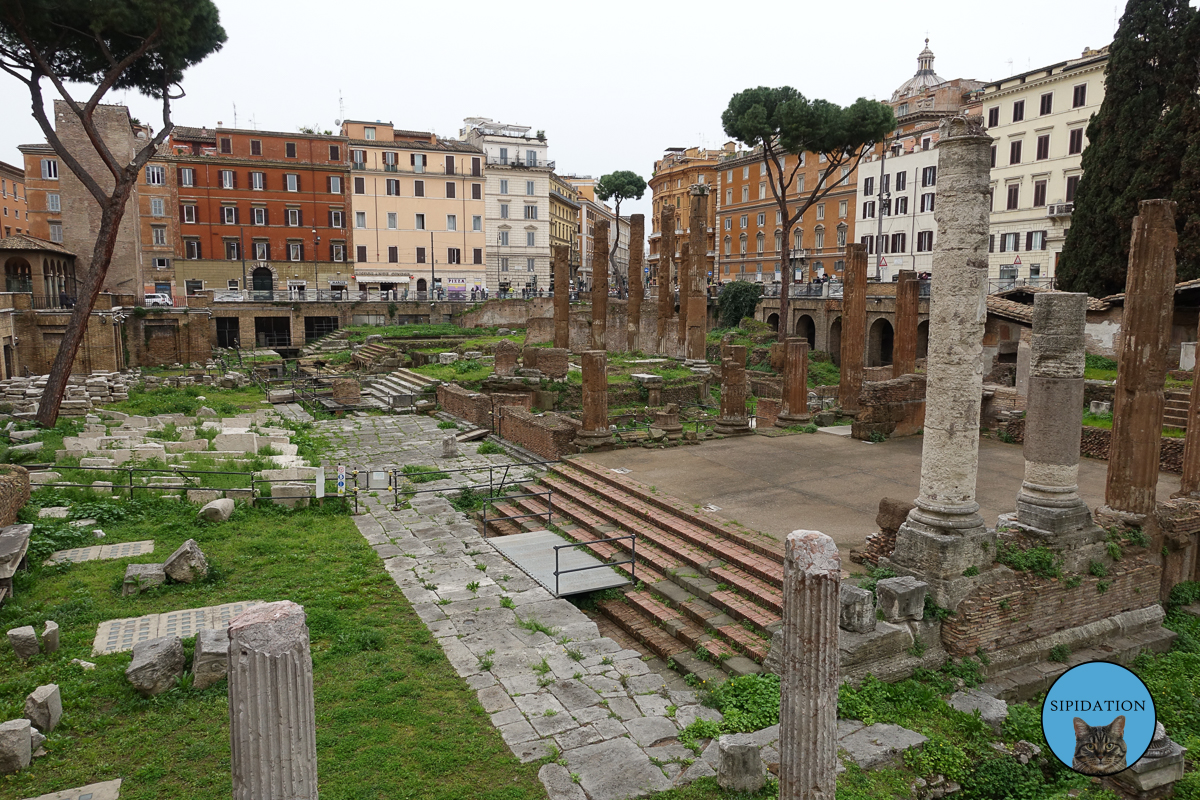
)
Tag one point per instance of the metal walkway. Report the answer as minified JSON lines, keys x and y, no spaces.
{"x":534,"y":553}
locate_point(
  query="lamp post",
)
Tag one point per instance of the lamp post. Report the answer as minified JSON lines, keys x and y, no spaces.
{"x":242,"y":253}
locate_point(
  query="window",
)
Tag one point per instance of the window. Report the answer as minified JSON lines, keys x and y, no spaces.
{"x":188,"y":213}
{"x":845,"y":174}
{"x":869,"y":242}
{"x":289,"y":150}
{"x":901,"y":205}
{"x":450,"y":189}
{"x":993,"y":117}
{"x":1014,"y":152}
{"x":476,"y":191}
{"x":1047,"y":103}
{"x":335,"y":184}
{"x":530,"y":239}
{"x":226,"y":144}
{"x":476,"y":170}
{"x":418,"y":161}
{"x":924,"y":241}
{"x":262,"y":251}
{"x":295,"y":251}
{"x":393,"y":255}
{"x":885,"y":208}
{"x":1075,"y":142}
{"x":258,"y":216}
{"x":745,"y":220}
{"x":360,"y":253}
{"x":156,"y":207}
{"x":419,"y":222}
{"x":159,"y":234}
{"x":231,"y":249}
{"x":869,"y":186}
{"x":227,"y":177}
{"x":901,"y":181}
{"x":820,"y":239}
{"x":728,"y":246}
{"x":820,"y":211}
{"x":745,"y":194}
{"x":477,"y":255}
{"x":927,"y":201}
{"x":1035,"y":240}
{"x":529,"y":265}
{"x":742,"y":244}
{"x":758,"y":243}
{"x":929,"y":176}
{"x":1079,"y":96}
{"x":729,"y":197}
{"x":504,"y":265}
{"x":56,"y":234}
{"x":369,"y":133}
{"x":335,"y":218}
{"x":293,"y":218}
{"x":162,"y":263}
{"x":258,"y":181}
{"x":393,"y":187}
{"x":1043,"y":147}
{"x":504,"y":238}
{"x":529,"y":188}
{"x":360,"y":185}
{"x":869,"y":210}
{"x":229,"y":215}
{"x":1010,"y":242}
{"x":391,"y":221}
{"x":191,"y":249}
{"x":335,"y":152}
{"x":925,"y":143}
{"x":156,"y":175}
{"x":187,"y":176}
{"x":531,"y":212}
{"x":1014,"y":196}
{"x":420,"y":255}
{"x":292,"y":182}
{"x":728,"y":223}
{"x":762,"y":191}
{"x":883,"y":244}
{"x":49,"y":169}
{"x":762,"y":219}
{"x":255,"y":147}
{"x":337,"y":251}
{"x":1039,"y":194}
{"x":451,"y":222}
{"x":885,"y":183}
{"x":418,"y":188}
{"x":993,"y":161}
{"x":504,"y":211}
{"x":360,"y":218}
{"x":1018,"y":111}
{"x":898,"y":242}
{"x":1072,"y":187}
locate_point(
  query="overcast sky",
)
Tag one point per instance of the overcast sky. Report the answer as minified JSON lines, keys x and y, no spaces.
{"x":612,"y":83}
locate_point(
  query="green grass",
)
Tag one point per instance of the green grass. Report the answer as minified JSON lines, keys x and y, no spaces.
{"x":474,"y":372}
{"x":393,"y":718}
{"x":1105,"y":421}
{"x":359,"y":333}
{"x":170,"y":400}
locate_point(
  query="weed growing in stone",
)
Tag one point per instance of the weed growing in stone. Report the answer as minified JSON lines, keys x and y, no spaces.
{"x":533,"y":626}
{"x":1041,"y":561}
{"x":507,"y":602}
{"x":1059,"y":653}
{"x":1098,"y":569}
{"x":473,"y":587}
{"x":490,"y":449}
{"x":485,"y":660}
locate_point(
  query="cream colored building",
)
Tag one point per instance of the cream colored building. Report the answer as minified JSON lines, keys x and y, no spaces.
{"x":591,"y":210}
{"x":1038,"y":121}
{"x":417,"y":211}
{"x":564,"y":220}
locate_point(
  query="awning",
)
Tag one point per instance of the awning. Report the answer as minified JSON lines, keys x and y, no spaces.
{"x":378,"y":278}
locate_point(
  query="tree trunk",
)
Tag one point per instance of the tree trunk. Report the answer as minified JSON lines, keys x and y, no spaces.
{"x":93,"y":279}
{"x":785,"y":274}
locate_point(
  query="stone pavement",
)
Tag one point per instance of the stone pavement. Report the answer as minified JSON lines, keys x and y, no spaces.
{"x":551,"y":683}
{"x":109,"y":790}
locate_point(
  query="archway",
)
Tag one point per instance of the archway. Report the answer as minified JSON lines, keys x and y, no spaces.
{"x":923,"y":339}
{"x":835,"y":341}
{"x":773,"y":321}
{"x":807,"y":329}
{"x":262,"y":280}
{"x":422,"y":285}
{"x":879,"y":343}
{"x":18,"y":275}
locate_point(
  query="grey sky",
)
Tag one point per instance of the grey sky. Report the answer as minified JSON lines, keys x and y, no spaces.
{"x":612,"y":84}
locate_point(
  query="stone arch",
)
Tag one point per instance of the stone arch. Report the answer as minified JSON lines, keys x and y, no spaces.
{"x":923,"y":339}
{"x":880,"y":339}
{"x":835,"y":341}
{"x":18,"y":275}
{"x":422,"y":285}
{"x":773,"y":321}
{"x":807,"y":329}
{"x":262,"y":279}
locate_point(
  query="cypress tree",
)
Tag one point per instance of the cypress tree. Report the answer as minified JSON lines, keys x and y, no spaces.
{"x":1136,"y":143}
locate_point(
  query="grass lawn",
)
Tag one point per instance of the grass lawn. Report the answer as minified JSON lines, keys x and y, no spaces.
{"x":1105,"y":421}
{"x":171,"y":400}
{"x":393,"y":718}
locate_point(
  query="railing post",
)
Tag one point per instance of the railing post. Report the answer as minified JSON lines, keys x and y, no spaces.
{"x":556,"y":571}
{"x":131,"y":483}
{"x":549,"y":507}
{"x":633,"y":557}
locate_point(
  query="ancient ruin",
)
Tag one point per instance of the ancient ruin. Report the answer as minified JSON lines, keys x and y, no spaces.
{"x":684,"y":273}
{"x":595,"y":400}
{"x":733,"y":419}
{"x":666,"y":257}
{"x":637,"y":288}
{"x":697,"y":297}
{"x":904,"y":349}
{"x":854,"y":326}
{"x":600,"y":287}
{"x":794,"y":410}
{"x":562,"y":296}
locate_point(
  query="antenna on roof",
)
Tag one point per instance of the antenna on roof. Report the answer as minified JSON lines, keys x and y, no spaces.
{"x":235,"y":115}
{"x":341,"y":106}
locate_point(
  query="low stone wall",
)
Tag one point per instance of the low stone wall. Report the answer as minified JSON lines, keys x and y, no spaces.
{"x":766,"y":387}
{"x":877,"y":374}
{"x":14,"y":492}
{"x":549,"y":435}
{"x":766,"y":411}
{"x":347,"y":392}
{"x":1095,"y":443}
{"x":474,"y":407}
{"x":1023,"y":608}
{"x":553,"y":362}
{"x":1098,"y":390}
{"x":894,"y":407}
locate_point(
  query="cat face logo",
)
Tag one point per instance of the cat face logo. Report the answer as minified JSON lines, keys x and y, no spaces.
{"x":1099,"y":749}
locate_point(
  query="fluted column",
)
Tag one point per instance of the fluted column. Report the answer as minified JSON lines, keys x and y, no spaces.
{"x":600,"y":285}
{"x":272,"y":718}
{"x":809,"y":673}
{"x":666,"y":255}
{"x":854,"y":326}
{"x":733,"y":419}
{"x":794,"y":410}
{"x":562,"y":296}
{"x":904,"y":351}
{"x":637,"y":292}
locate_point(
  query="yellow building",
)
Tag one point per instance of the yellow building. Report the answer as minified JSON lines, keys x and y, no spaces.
{"x":564,"y":220}
{"x":674,"y":175}
{"x":416,"y":211}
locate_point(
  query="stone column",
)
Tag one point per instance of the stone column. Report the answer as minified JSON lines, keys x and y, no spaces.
{"x":794,"y":410}
{"x":733,"y":420}
{"x":666,"y":255}
{"x":1189,"y":481}
{"x":1024,"y":354}
{"x":562,"y":296}
{"x":1142,"y":365}
{"x":904,"y":349}
{"x":684,"y":280}
{"x":944,"y":535}
{"x":595,"y":400}
{"x":854,"y":326}
{"x":600,"y":285}
{"x":272,"y":719}
{"x":697,"y":301}
{"x":809,"y":674}
{"x":1049,"y":501}
{"x":633,"y":313}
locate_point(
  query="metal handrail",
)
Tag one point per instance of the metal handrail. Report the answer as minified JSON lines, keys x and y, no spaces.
{"x":549,"y":512}
{"x":491,"y":468}
{"x":632,"y":562}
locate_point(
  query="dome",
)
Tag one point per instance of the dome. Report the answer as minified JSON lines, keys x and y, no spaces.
{"x":924,"y":79}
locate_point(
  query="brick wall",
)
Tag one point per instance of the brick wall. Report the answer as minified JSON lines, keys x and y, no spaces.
{"x":766,"y":387}
{"x":894,"y":407}
{"x":877,"y":374}
{"x":1025,"y":607}
{"x":549,"y":435}
{"x":506,"y":401}
{"x":474,"y":407}
{"x":1095,"y":443}
{"x":766,"y":411}
{"x":14,"y":492}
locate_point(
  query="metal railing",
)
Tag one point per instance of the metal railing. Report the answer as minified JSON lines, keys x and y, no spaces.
{"x":43,"y":301}
{"x":548,"y":513}
{"x":339,"y":295}
{"x":519,"y":162}
{"x":491,"y":486}
{"x":632,"y":561}
{"x":1004,"y":284}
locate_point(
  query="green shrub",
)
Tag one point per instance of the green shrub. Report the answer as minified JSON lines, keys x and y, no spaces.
{"x":420,"y":474}
{"x":1040,"y":561}
{"x":1059,"y":653}
{"x":1098,"y":569}
{"x":737,"y":301}
{"x":490,"y":448}
{"x":446,"y":425}
{"x":1003,"y":778}
{"x":1098,"y":362}
{"x":878,"y":437}
{"x":748,"y":702}
{"x":938,"y":756}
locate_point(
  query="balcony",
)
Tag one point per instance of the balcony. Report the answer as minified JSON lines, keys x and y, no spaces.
{"x":359,"y":165}
{"x":391,"y":167}
{"x":1057,"y":210}
{"x":519,"y":163}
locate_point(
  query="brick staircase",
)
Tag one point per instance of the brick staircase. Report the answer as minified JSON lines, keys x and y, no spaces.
{"x":370,"y":355}
{"x":1175,"y":410}
{"x":709,"y":592}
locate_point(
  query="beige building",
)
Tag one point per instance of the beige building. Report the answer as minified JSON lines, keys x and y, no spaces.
{"x":564,"y":220}
{"x":417,"y":211}
{"x":674,"y":175}
{"x":591,"y":210}
{"x":1038,"y":121}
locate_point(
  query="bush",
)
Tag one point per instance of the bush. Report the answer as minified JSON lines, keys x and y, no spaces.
{"x":1003,"y":778}
{"x":737,"y":301}
{"x":1098,"y":362}
{"x":748,"y":702}
{"x":489,"y":449}
{"x":1040,"y":561}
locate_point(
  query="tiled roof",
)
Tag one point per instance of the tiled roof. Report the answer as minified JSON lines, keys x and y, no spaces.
{"x":23,"y":241}
{"x":1010,"y":309}
{"x":194,"y":134}
{"x":1093,"y":304}
{"x":1182,"y":286}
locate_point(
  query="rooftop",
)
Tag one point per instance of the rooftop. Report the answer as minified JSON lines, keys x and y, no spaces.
{"x":23,"y":241}
{"x":925,"y":78}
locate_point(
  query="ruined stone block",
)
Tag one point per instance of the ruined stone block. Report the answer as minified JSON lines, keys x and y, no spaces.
{"x":901,"y":598}
{"x":857,"y":611}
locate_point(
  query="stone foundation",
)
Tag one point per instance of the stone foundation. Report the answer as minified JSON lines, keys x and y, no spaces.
{"x":14,"y":492}
{"x":1096,"y":443}
{"x":550,"y":435}
{"x":894,"y":407}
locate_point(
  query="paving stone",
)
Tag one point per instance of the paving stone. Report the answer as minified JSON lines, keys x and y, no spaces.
{"x":686,"y":715}
{"x":530,"y":751}
{"x":879,"y":745}
{"x":108,"y":790}
{"x":558,"y":783}
{"x":648,"y":682}
{"x":636,"y":776}
{"x":494,"y":699}
{"x":578,"y":737}
{"x":573,"y":694}
{"x":648,"y":731}
{"x":652,"y":705}
{"x":516,"y":732}
{"x":507,"y":716}
{"x":624,"y":708}
{"x":993,"y":711}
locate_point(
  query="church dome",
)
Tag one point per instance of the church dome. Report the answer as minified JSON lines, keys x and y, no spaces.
{"x":923,"y":80}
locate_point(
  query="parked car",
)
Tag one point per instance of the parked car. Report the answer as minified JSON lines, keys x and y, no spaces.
{"x":158,"y":300}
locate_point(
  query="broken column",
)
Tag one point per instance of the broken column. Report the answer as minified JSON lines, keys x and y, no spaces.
{"x":809,"y":672}
{"x":904,"y":351}
{"x":666,"y":254}
{"x":1189,"y":481}
{"x":637,"y":290}
{"x":600,"y":285}
{"x":562,"y":296}
{"x":1024,"y":352}
{"x":697,"y":298}
{"x":595,"y":400}
{"x":1049,"y":500}
{"x":1142,"y":364}
{"x":854,"y":326}
{"x":733,"y":420}
{"x":272,"y":718}
{"x":684,"y":281}
{"x":794,"y":410}
{"x":945,"y":535}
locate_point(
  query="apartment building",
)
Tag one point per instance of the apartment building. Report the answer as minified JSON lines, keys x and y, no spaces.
{"x":674,"y":174}
{"x":417,"y":212}
{"x":12,"y":198}
{"x":593,"y":209}
{"x":517,"y":203}
{"x":564,"y":221}
{"x":1038,"y":121}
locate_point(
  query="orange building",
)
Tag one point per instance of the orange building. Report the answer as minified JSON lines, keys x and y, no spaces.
{"x":674,"y":174}
{"x":12,"y":198}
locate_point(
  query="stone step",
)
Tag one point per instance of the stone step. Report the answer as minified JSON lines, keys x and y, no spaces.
{"x":502,"y":527}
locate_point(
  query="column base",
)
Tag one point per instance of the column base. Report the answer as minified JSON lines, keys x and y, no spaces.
{"x":940,"y":555}
{"x":591,"y":440}
{"x":1054,"y":520}
{"x":735,"y":426}
{"x":788,"y":420}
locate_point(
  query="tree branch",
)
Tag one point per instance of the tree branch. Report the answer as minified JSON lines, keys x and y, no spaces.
{"x":111,"y":76}
{"x":39,"y":114}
